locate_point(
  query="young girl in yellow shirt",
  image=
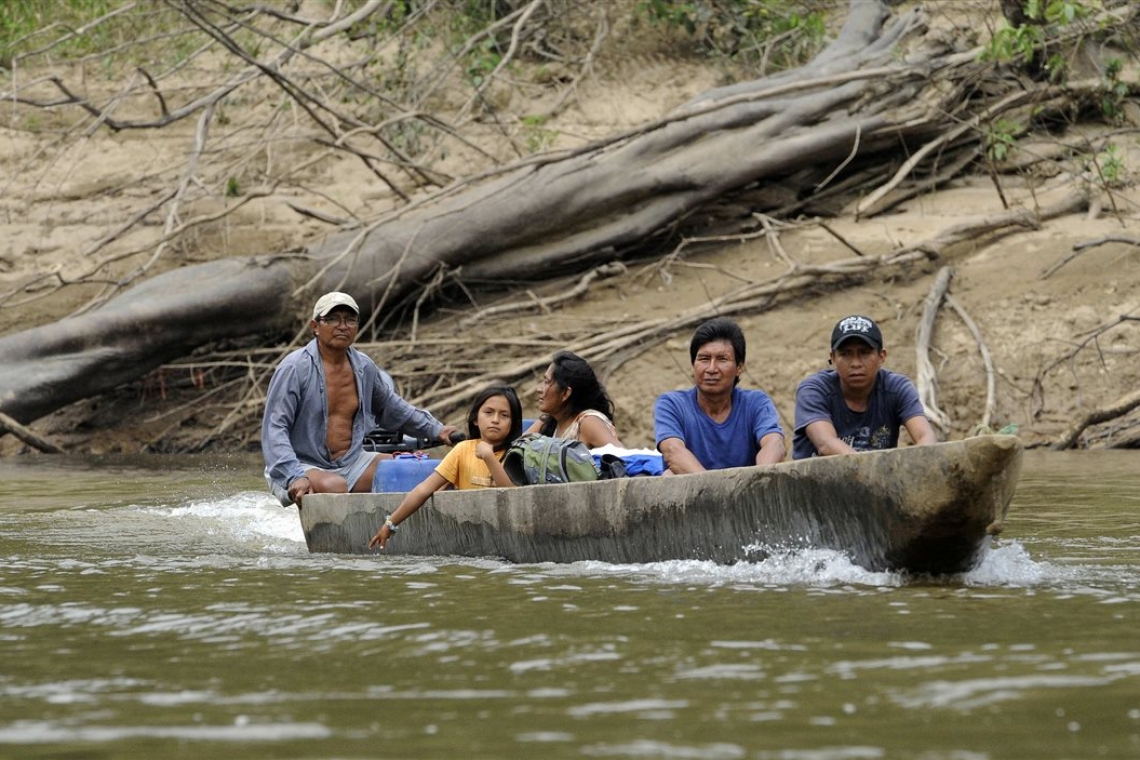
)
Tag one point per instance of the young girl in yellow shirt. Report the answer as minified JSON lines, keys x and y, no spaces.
{"x":494,"y":422}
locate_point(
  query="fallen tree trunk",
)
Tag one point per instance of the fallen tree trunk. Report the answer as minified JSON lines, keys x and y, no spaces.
{"x":44,"y":369}
{"x":848,"y":115}
{"x":1117,"y":408}
{"x":573,"y":210}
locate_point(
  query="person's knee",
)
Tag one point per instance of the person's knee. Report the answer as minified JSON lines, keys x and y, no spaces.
{"x":327,"y":482}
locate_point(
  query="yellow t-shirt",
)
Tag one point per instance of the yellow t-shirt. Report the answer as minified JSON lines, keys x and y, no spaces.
{"x":462,"y":469}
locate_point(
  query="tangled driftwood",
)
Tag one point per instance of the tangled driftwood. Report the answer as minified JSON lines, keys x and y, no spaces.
{"x":883,"y":111}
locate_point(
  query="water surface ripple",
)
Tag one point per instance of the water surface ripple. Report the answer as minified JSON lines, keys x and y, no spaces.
{"x":158,"y":608}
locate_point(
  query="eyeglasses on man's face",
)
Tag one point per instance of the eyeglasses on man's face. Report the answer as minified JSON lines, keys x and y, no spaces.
{"x":347,"y":321}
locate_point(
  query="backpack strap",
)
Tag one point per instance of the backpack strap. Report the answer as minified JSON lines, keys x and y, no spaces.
{"x":546,"y":444}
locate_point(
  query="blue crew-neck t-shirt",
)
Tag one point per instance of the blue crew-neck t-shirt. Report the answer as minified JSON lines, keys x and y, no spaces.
{"x":732,"y":443}
{"x":893,"y":401}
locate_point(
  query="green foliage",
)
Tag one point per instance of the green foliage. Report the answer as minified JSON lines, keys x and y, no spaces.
{"x":483,"y":61}
{"x":1109,"y":165}
{"x":380,"y":23}
{"x":22,"y":20}
{"x":1010,"y":43}
{"x":1114,"y":92}
{"x":53,"y":30}
{"x":537,"y":138}
{"x":780,"y":33}
{"x":1028,"y":41}
{"x":685,"y":15}
{"x":1001,"y":136}
{"x":1031,"y":42}
{"x":1059,"y":11}
{"x":471,"y":16}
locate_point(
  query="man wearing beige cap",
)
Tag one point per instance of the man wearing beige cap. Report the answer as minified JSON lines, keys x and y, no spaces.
{"x":322,"y":400}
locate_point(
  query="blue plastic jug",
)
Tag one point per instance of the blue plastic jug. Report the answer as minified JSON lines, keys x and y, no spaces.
{"x":401,"y":474}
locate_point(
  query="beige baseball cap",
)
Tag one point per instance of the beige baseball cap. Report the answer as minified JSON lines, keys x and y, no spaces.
{"x":330,"y":301}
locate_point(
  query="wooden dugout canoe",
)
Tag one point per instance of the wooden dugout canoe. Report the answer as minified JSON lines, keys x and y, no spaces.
{"x":923,"y":509}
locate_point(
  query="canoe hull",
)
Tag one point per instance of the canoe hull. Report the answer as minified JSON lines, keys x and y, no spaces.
{"x":925,"y":509}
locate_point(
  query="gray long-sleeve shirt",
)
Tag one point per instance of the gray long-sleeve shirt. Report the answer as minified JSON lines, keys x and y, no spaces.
{"x":295,"y":425}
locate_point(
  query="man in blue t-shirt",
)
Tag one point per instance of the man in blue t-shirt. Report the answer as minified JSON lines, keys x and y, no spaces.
{"x":858,"y":406}
{"x":714,"y":424}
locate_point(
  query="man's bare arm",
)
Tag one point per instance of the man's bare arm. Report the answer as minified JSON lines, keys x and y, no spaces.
{"x":920,"y":430}
{"x":772,"y":449}
{"x":826,"y":440}
{"x":678,"y":458}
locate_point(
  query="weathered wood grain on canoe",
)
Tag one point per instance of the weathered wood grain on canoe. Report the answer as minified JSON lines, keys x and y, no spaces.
{"x":920,"y":508}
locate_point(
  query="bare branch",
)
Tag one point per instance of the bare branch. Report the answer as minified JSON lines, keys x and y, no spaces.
{"x":1080,"y":248}
{"x":544,"y":304}
{"x":987,"y":360}
{"x":927,"y":379}
{"x":9,"y":425}
{"x":1118,"y":408}
{"x":516,"y":32}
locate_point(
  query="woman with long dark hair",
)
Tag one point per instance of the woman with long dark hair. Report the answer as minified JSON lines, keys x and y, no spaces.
{"x":574,"y":404}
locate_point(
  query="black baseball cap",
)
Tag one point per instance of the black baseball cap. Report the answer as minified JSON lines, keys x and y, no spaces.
{"x":857,"y":326}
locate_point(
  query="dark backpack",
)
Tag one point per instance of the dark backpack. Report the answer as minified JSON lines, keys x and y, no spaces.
{"x":538,"y":458}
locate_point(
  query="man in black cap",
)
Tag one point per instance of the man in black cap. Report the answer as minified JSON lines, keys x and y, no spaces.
{"x":858,"y":405}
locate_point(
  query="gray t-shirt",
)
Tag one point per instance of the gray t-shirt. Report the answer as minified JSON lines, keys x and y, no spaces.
{"x":893,"y":401}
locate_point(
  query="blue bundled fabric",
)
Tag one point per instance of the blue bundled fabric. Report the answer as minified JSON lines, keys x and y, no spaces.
{"x":637,"y":461}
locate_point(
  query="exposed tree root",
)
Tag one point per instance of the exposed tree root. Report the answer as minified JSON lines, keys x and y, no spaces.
{"x":926,"y":380}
